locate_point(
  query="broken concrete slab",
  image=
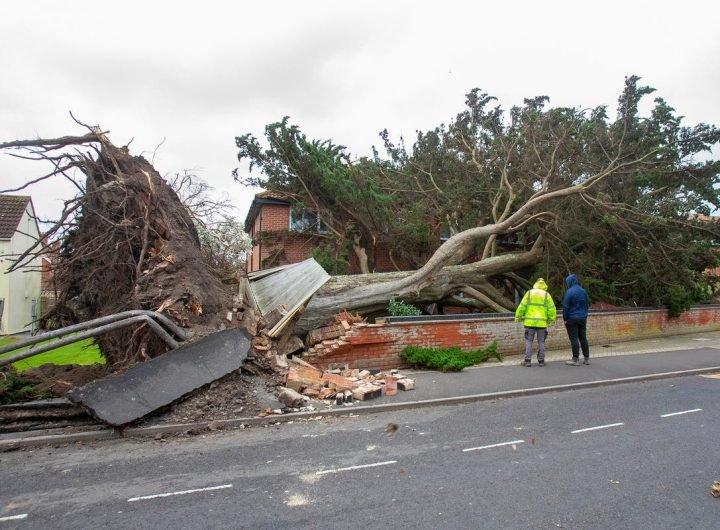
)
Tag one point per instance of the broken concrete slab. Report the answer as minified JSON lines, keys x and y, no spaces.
{"x":290,"y":398}
{"x":120,"y":399}
{"x":406,"y":384}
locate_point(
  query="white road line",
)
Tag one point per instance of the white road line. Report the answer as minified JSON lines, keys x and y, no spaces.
{"x":352,"y":468}
{"x":14,"y":517}
{"x":493,"y":445}
{"x":596,"y":428}
{"x":678,"y":413}
{"x":146,"y":497}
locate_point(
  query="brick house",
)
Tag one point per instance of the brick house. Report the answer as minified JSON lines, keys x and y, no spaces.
{"x":275,"y":239}
{"x":284,"y":233}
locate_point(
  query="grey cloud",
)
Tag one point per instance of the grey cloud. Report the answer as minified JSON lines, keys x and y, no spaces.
{"x":295,"y":71}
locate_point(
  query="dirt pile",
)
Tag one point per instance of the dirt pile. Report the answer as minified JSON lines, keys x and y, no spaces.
{"x":134,"y":246}
{"x":57,"y":380}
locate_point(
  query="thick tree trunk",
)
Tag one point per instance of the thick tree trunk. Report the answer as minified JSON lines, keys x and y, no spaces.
{"x":362,"y":257}
{"x":367,"y":293}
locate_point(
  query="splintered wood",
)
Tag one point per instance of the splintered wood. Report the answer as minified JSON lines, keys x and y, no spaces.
{"x":341,"y":384}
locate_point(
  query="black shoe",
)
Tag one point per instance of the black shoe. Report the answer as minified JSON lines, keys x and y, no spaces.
{"x":586,"y":361}
{"x":541,"y":363}
{"x":526,"y":363}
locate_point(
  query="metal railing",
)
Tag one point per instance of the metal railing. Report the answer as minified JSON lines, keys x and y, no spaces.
{"x":93,"y":328}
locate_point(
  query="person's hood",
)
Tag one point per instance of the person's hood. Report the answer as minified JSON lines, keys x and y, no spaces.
{"x":540,"y":284}
{"x":571,"y":280}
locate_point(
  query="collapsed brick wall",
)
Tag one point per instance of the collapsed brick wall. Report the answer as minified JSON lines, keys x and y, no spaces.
{"x":379,"y":345}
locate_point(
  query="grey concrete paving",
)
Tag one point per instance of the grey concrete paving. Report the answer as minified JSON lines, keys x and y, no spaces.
{"x":510,"y":377}
{"x":609,"y":362}
{"x":148,"y":386}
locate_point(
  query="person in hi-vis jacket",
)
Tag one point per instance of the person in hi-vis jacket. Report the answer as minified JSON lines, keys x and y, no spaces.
{"x":537,"y":312}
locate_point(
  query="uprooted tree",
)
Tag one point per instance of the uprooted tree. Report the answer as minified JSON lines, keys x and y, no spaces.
{"x":127,"y":242}
{"x":617,"y":201}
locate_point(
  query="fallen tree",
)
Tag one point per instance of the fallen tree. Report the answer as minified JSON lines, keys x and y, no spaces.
{"x":369,"y":293}
{"x":599,"y":196}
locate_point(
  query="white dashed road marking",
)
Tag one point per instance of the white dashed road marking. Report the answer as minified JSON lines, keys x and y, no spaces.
{"x":678,"y":413}
{"x":159,"y":495}
{"x":353,"y":468}
{"x":597,"y":428}
{"x":14,"y":517}
{"x":493,"y":445}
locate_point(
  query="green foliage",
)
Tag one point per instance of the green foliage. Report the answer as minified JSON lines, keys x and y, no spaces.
{"x":451,"y":359}
{"x":398,"y":308}
{"x":334,"y":262}
{"x":13,"y":387}
{"x":320,"y":176}
{"x":632,"y":237}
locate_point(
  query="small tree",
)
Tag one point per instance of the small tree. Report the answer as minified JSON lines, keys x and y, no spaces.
{"x":223,"y":239}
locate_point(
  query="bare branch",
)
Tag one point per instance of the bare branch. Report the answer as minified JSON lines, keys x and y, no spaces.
{"x":51,"y":144}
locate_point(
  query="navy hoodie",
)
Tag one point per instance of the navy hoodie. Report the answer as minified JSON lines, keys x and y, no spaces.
{"x":575,"y":302}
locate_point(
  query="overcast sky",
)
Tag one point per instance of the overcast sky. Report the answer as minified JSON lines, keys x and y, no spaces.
{"x":193,"y":75}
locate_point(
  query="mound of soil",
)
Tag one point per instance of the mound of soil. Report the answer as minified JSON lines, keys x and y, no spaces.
{"x":236,"y":395}
{"x":58,"y":380}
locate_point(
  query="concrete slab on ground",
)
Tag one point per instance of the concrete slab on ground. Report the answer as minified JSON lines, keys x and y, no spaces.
{"x":120,"y":399}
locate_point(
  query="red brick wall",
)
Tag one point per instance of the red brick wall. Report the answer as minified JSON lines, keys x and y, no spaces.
{"x":47,"y":276}
{"x":379,"y":345}
{"x":298,"y":248}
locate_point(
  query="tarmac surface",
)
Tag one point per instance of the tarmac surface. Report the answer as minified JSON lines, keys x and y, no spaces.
{"x":637,"y":360}
{"x":620,"y":363}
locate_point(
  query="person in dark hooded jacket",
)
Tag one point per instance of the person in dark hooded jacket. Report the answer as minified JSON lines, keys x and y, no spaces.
{"x":575,"y":306}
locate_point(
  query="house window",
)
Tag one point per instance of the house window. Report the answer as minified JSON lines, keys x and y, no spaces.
{"x":305,"y":220}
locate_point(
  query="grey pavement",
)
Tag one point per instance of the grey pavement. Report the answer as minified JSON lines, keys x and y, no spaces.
{"x":616,"y":363}
{"x":509,"y":376}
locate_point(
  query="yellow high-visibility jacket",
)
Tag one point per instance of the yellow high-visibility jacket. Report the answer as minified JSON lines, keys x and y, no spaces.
{"x":537,"y":308}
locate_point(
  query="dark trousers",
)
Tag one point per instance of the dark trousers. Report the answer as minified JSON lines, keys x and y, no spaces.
{"x":577,"y":333}
{"x":530,"y":334}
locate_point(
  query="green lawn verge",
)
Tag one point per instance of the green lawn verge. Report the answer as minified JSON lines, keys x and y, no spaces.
{"x":84,"y":352}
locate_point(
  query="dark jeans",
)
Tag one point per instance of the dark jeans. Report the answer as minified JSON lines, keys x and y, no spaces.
{"x":577,"y":333}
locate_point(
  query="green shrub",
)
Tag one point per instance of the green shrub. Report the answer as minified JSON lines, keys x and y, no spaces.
{"x":398,"y":308}
{"x":334,"y":263}
{"x":13,"y":387}
{"x":451,"y":359}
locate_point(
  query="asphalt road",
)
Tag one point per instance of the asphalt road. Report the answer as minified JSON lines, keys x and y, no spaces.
{"x":639,"y":455}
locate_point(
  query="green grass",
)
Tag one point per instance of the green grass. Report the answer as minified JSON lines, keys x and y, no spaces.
{"x":84,"y":352}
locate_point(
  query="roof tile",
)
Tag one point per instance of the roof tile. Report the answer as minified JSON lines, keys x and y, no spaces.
{"x":12,"y":208}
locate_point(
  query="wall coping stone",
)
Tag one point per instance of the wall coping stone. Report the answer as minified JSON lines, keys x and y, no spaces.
{"x":491,"y":316}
